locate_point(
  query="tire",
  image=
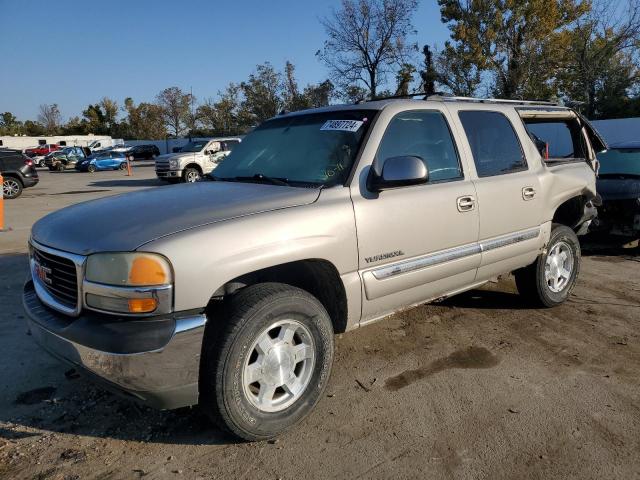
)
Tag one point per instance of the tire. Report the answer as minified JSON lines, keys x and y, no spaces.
{"x":191,"y":175}
{"x":11,"y":188}
{"x":122,"y":166}
{"x":232,"y":345}
{"x":91,"y":168}
{"x":59,"y":167}
{"x":41,"y":163}
{"x":549,"y":280}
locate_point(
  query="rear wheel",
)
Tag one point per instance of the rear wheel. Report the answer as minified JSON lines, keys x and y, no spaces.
{"x":42,"y":163}
{"x":549,"y":280}
{"x":191,"y":175}
{"x":267,"y":362}
{"x":122,"y":166}
{"x":11,"y":187}
{"x":60,"y":167}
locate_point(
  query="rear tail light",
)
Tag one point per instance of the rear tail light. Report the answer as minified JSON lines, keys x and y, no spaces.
{"x":28,"y":162}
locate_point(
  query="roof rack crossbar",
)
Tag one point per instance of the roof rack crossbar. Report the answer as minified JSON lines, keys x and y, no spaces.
{"x":446,"y":98}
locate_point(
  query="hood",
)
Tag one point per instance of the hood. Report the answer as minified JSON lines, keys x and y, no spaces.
{"x":125,"y":222}
{"x":177,"y":155}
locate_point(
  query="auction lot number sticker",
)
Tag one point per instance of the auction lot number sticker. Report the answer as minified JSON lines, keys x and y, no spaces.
{"x":342,"y":125}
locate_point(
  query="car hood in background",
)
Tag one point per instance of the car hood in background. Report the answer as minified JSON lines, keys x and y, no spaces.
{"x":611,"y":188}
{"x":125,"y":222}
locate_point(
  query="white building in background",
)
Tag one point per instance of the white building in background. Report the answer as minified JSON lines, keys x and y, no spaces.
{"x":20,"y":143}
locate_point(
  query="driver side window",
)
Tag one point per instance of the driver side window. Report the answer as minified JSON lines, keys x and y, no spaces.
{"x":424,"y":134}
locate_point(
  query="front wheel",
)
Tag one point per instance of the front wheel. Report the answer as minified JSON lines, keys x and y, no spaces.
{"x":122,"y":166}
{"x":549,"y":280}
{"x":11,"y":188}
{"x":191,"y":175}
{"x":267,"y":362}
{"x":42,"y":163}
{"x":60,"y":167}
{"x":91,"y":168}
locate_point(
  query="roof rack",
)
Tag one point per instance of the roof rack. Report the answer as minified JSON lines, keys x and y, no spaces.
{"x":450,"y":98}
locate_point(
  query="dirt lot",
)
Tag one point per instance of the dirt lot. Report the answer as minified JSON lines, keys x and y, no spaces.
{"x":476,"y":387}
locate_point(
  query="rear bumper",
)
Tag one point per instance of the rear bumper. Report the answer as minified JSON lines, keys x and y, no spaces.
{"x":155,"y":362}
{"x":30,"y":181}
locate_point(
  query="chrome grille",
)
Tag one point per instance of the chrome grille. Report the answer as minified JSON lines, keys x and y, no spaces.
{"x":162,"y":165}
{"x":58,"y":277}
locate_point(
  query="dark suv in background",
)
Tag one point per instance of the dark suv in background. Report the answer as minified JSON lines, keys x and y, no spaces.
{"x":144,"y":151}
{"x":18,"y":172}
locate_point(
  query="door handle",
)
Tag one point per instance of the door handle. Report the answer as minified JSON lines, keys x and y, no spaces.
{"x":466,"y":203}
{"x":528,"y":193}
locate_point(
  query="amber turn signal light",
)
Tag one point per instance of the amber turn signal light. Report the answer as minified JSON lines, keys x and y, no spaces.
{"x":146,"y":270}
{"x":142,"y":305}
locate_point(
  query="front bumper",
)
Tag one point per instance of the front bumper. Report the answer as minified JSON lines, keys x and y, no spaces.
{"x":155,"y":360}
{"x":169,"y":173}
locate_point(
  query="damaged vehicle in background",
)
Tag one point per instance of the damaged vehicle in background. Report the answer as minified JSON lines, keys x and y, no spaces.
{"x":228,"y":293}
{"x":105,"y":160}
{"x":619,"y":186}
{"x":66,"y":158}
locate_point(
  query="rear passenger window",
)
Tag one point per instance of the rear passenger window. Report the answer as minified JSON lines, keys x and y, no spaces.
{"x":494,"y":144}
{"x":557,"y":139}
{"x":423,"y":134}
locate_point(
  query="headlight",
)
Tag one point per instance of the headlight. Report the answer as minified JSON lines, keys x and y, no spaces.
{"x":131,"y":283}
{"x":173,"y":163}
{"x":128,"y":269}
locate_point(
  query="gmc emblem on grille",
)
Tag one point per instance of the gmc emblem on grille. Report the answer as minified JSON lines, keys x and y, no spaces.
{"x":42,"y":272}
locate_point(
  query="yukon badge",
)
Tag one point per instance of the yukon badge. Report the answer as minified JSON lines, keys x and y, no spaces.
{"x":384,"y":256}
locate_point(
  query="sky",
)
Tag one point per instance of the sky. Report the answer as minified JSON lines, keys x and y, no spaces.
{"x":74,"y":52}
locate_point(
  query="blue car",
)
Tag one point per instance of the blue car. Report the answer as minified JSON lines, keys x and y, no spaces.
{"x":103,"y":161}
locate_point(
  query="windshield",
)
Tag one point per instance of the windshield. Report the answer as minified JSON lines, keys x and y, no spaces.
{"x":194,"y":146}
{"x":317,"y":148}
{"x":620,"y":161}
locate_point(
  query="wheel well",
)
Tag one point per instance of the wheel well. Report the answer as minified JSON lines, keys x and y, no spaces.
{"x":318,"y":277}
{"x":14,"y":176}
{"x":194,"y":165}
{"x":571,"y":212}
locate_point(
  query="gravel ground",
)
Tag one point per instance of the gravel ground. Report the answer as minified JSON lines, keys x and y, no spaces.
{"x":476,"y":387}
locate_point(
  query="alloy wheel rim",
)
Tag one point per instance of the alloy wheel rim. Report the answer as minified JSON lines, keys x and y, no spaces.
{"x":279,"y":366}
{"x":193,"y":177}
{"x":558,"y":267}
{"x":10,"y":188}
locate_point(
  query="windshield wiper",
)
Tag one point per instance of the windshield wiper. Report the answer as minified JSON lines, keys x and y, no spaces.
{"x":260,"y":178}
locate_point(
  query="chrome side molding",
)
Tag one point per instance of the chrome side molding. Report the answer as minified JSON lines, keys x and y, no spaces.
{"x":455,"y":253}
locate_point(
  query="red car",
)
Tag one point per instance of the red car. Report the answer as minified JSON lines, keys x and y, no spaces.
{"x":42,"y":150}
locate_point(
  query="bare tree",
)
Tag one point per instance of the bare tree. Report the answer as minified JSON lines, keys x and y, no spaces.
{"x":176,"y":109}
{"x":50,"y":118}
{"x":367,"y":39}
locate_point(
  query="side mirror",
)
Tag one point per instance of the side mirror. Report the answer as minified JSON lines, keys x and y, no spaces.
{"x":400,"y":171}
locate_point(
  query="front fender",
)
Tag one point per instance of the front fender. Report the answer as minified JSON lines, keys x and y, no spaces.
{"x":207,"y":257}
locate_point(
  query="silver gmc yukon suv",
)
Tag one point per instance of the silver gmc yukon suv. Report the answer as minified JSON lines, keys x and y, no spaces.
{"x":227,"y":293}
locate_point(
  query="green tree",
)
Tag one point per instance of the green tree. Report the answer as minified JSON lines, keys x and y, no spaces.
{"x":456,"y":71}
{"x":261,"y":94}
{"x":367,"y":39}
{"x":404,"y":78}
{"x":312,"y":96}
{"x":10,"y":125}
{"x":176,"y":110}
{"x":144,"y":121}
{"x":601,"y":67}
{"x":223,"y":117}
{"x":518,"y":42}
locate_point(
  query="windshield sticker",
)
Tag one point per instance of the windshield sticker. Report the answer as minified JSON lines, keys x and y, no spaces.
{"x":342,"y":125}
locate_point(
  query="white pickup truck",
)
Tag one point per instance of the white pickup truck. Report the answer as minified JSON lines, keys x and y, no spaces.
{"x":195,"y":159}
